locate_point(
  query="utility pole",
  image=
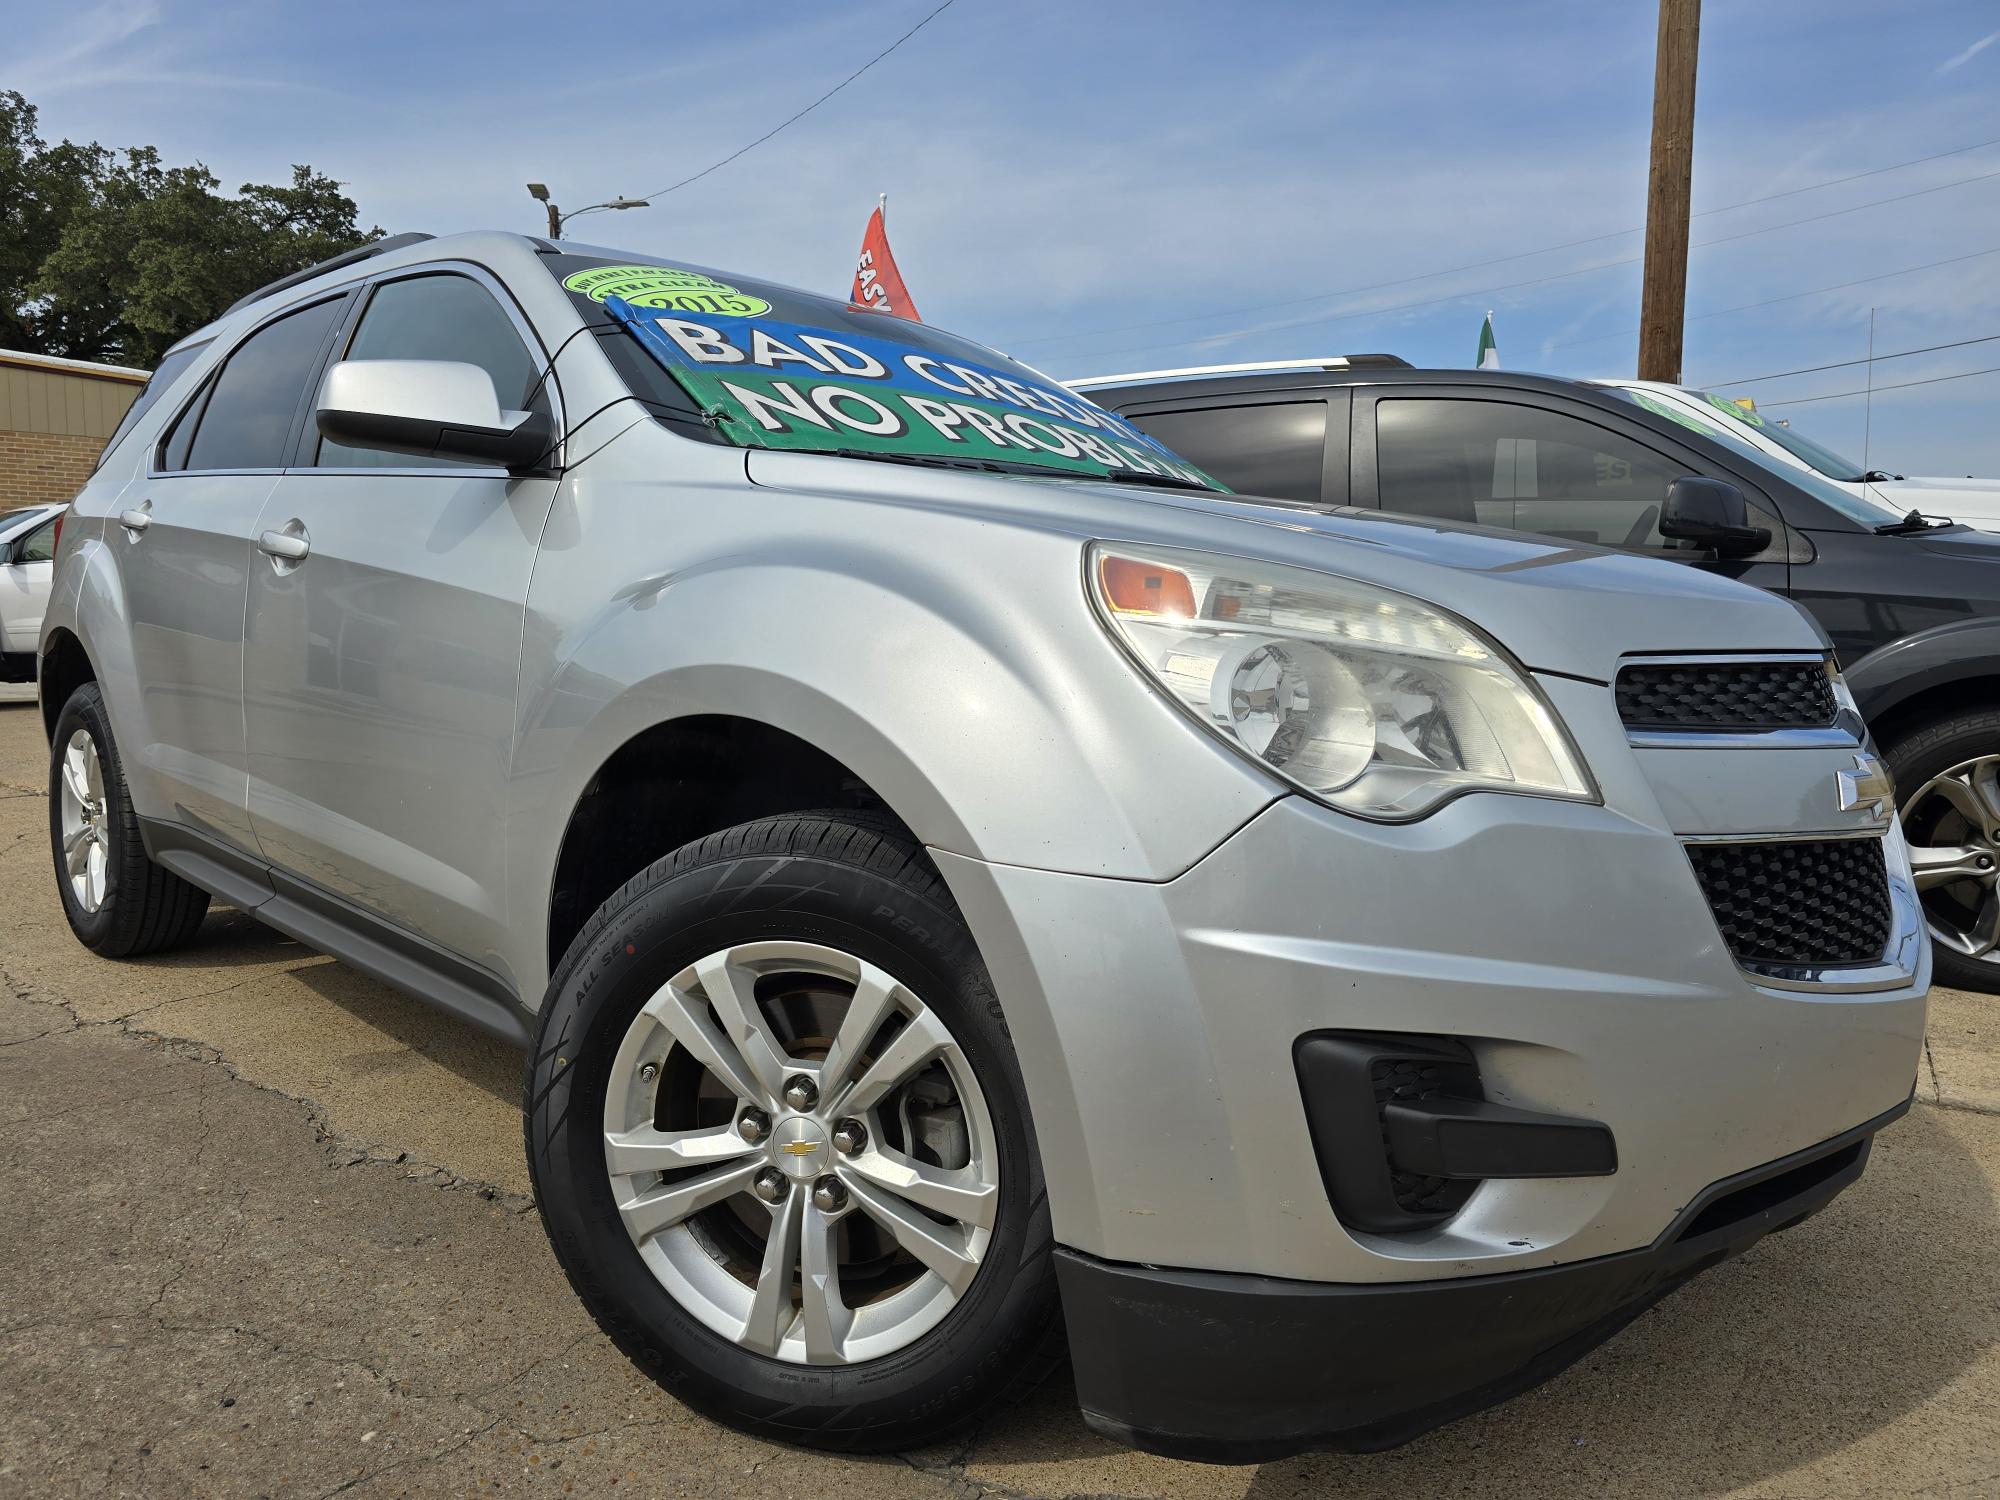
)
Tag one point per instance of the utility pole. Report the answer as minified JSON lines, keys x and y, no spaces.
{"x":1663,"y":303}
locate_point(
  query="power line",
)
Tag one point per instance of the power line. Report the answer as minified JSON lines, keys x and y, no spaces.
{"x":1902,"y":385}
{"x":1836,"y":213}
{"x":793,"y":120}
{"x":1630,"y":260}
{"x":1852,"y":177}
{"x":1848,"y":364}
{"x":1838,"y":286}
{"x":1502,"y":260}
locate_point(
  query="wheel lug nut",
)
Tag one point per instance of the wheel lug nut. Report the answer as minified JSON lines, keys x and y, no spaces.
{"x":770,"y":1185}
{"x":829,"y":1195}
{"x":849,"y":1136}
{"x":648,"y":1072}
{"x":801,"y":1093}
{"x":753,"y":1125}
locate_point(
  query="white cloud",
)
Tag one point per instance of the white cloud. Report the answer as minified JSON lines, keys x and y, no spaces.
{"x":85,"y":43}
{"x":1962,"y":58}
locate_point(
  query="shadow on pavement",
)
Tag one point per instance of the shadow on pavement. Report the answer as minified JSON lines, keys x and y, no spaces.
{"x":484,"y":1062}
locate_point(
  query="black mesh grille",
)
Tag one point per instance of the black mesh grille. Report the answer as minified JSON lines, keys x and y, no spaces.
{"x":1823,"y":901}
{"x":1404,"y":1079}
{"x":1727,"y":696}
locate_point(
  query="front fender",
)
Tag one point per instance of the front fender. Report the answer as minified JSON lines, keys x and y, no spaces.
{"x":980,"y":700}
{"x":1893,"y":675}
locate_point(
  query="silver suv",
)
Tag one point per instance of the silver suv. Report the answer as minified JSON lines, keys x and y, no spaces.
{"x":948,"y":862}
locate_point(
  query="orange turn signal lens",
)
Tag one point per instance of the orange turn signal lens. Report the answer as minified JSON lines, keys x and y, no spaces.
{"x":1132,"y":587}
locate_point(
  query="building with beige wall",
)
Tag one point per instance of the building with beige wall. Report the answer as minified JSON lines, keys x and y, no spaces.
{"x":55,"y":415}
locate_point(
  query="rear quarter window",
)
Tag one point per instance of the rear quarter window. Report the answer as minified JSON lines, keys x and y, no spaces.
{"x":161,"y":381}
{"x":1274,"y":449}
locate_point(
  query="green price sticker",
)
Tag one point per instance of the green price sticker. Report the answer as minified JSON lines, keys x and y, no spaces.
{"x":667,"y":288}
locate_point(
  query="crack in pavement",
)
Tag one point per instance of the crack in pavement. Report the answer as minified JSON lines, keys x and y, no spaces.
{"x":341,"y":1149}
{"x":370,"y":1476}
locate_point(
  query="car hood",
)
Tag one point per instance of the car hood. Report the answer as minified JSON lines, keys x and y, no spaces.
{"x":1976,"y":502}
{"x":1556,"y":606}
{"x":1959,"y":541}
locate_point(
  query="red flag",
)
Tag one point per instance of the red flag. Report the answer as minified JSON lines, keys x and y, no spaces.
{"x":878,"y":285}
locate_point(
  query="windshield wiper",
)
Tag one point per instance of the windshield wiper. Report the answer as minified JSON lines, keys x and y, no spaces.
{"x":1879,"y":476}
{"x":1004,"y":466}
{"x":920,"y":460}
{"x":1916,"y":520}
{"x":1165,"y":481}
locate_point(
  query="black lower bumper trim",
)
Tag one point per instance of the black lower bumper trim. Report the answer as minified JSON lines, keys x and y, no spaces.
{"x":1231,"y":1368}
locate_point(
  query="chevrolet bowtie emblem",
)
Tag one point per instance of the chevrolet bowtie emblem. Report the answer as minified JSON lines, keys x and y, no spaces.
{"x":1866,"y":788}
{"x":807,"y":1148}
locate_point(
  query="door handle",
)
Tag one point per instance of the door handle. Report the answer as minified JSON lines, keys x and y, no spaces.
{"x":136,"y":521}
{"x":290,"y":546}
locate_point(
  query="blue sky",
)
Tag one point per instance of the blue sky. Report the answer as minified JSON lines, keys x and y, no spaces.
{"x":1141,"y":183}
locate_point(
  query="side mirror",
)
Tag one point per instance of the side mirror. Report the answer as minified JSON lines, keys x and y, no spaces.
{"x":8,"y":550}
{"x":430,"y":407}
{"x":1713,"y":513}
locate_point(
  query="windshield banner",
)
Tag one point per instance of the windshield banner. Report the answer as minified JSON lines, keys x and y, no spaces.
{"x":772,"y":384}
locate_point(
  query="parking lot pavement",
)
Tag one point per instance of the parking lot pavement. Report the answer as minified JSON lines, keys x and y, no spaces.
{"x":264,"y":1231}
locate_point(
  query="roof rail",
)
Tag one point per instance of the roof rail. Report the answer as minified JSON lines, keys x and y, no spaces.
{"x":332,"y":263}
{"x":1330,"y":362}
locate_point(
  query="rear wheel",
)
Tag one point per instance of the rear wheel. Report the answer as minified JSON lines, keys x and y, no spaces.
{"x":780,"y":1142}
{"x":118,"y":902}
{"x":1948,"y":778}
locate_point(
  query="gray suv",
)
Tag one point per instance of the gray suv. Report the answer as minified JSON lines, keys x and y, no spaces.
{"x":971,"y":888}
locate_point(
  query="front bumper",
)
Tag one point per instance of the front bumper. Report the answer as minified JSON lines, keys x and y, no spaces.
{"x":1568,"y":946}
{"x":1241,"y":1369}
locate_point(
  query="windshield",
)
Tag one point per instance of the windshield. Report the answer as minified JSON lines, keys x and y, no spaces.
{"x":1860,"y":507}
{"x":764,"y":366}
{"x":1824,"y":459}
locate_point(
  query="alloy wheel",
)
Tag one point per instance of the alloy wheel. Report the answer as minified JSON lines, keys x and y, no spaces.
{"x":801,"y":1153}
{"x":1953,"y":826}
{"x":86,"y":833}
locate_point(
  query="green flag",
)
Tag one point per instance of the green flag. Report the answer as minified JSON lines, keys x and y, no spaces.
{"x":1489,"y":351}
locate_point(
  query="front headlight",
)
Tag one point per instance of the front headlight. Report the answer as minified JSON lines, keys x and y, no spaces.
{"x":1372,"y":701}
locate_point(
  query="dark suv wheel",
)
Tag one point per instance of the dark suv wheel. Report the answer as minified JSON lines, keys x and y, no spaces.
{"x":781,"y":1146}
{"x":1948,"y":782}
{"x":118,"y":902}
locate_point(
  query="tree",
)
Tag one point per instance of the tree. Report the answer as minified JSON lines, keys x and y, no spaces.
{"x":116,"y":256}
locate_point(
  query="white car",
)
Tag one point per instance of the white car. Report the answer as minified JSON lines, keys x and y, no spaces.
{"x":1976,"y":502}
{"x":27,"y":558}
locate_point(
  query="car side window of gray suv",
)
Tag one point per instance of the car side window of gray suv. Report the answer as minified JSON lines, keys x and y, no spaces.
{"x":1501,"y":463}
{"x":161,"y":381}
{"x":247,"y":414}
{"x":438,"y":316}
{"x":1277,"y":450}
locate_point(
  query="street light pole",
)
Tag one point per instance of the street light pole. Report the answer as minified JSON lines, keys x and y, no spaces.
{"x":539,"y":191}
{"x":1663,"y":302}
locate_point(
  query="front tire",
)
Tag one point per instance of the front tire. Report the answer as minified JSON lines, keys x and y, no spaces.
{"x":781,"y":1146}
{"x":1948,"y":784}
{"x":118,"y":902}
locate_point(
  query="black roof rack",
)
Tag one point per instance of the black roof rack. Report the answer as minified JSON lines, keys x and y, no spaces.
{"x":332,"y":263}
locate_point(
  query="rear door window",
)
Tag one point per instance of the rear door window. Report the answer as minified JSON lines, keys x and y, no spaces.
{"x":1277,"y":450}
{"x":252,"y":406}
